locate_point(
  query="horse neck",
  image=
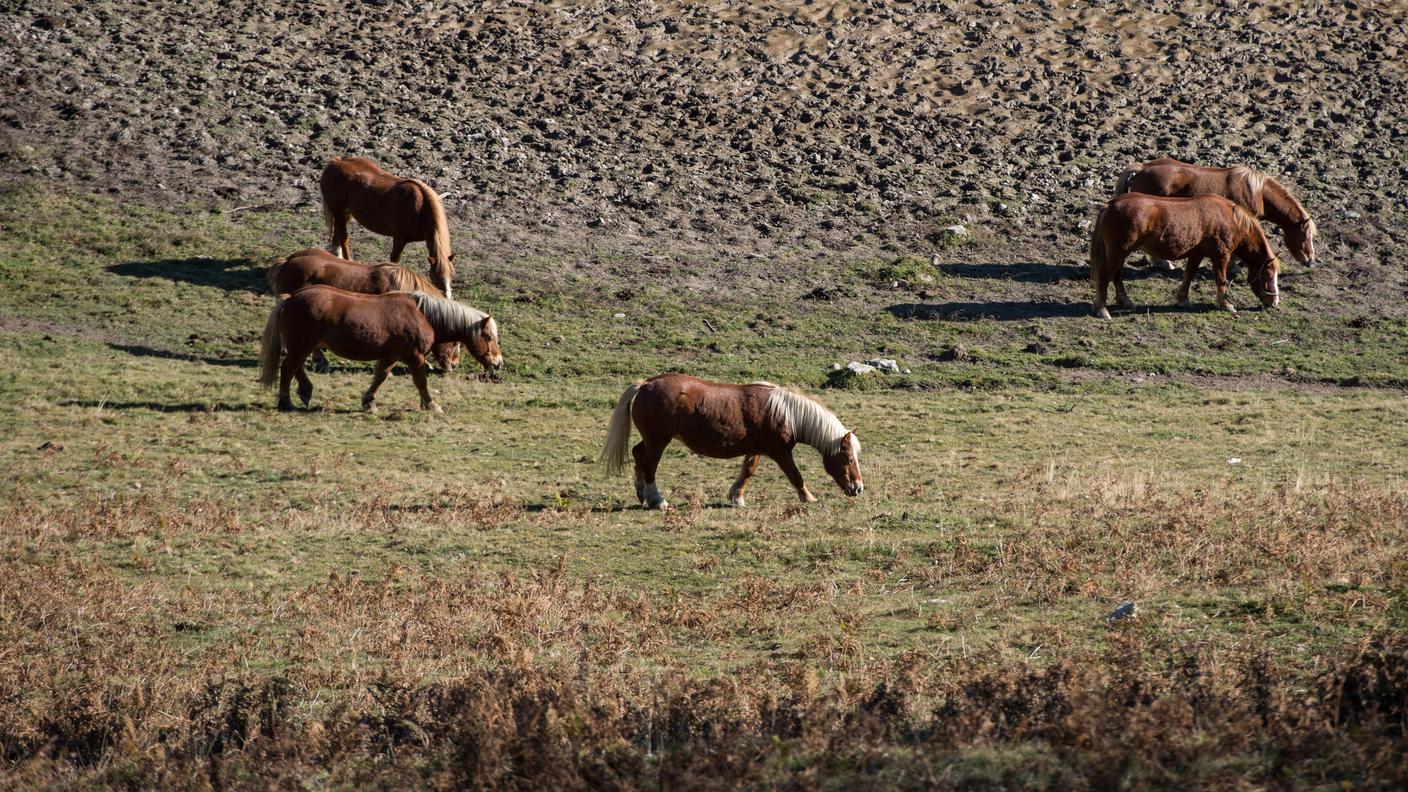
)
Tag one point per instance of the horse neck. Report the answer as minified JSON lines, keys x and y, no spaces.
{"x":1279,"y":206}
{"x":811,"y":432}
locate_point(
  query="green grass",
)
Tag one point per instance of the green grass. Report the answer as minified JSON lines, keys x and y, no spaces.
{"x":1012,"y":499}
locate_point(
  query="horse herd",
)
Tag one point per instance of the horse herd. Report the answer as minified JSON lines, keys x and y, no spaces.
{"x":387,"y":313}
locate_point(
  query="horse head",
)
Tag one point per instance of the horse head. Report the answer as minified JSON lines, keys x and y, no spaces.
{"x":447,"y":355}
{"x":844,"y":465}
{"x":1300,"y":238}
{"x":1261,"y":275}
{"x":484,"y":345}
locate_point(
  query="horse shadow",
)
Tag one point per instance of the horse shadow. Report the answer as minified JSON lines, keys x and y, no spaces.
{"x":1035,"y":272}
{"x":230,"y":274}
{"x":141,"y":350}
{"x":176,"y":407}
{"x":1002,"y":310}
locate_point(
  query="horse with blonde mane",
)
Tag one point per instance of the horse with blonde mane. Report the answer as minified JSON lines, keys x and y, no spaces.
{"x":1180,"y":228}
{"x":1252,"y":190}
{"x":315,"y":266}
{"x":386,"y":328}
{"x":723,"y":421}
{"x":406,"y":210}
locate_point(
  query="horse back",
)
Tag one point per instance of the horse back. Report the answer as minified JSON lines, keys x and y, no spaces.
{"x":359,"y":326}
{"x":713,"y":419}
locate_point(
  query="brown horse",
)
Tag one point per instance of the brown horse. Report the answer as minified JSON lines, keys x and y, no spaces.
{"x":315,"y":266}
{"x":406,"y":210}
{"x":1175,"y":228}
{"x":723,"y":421}
{"x":386,"y":328}
{"x":1252,"y":190}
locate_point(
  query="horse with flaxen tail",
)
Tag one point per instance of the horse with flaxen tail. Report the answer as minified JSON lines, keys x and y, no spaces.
{"x":1205,"y":227}
{"x":406,"y":210}
{"x":723,"y":421}
{"x":1252,"y":190}
{"x":385,"y":328}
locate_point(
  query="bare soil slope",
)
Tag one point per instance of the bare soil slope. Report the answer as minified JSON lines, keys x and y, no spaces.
{"x":841,"y":123}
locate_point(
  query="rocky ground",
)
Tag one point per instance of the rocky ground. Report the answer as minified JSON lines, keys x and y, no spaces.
{"x":841,"y":126}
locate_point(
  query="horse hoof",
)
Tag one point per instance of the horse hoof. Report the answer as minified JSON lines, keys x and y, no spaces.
{"x":286,"y":406}
{"x":369,"y":407}
{"x":737,"y":502}
{"x":435,"y":408}
{"x":1229,"y":308}
{"x":1102,"y":314}
{"x":660,"y":505}
{"x":1127,"y":303}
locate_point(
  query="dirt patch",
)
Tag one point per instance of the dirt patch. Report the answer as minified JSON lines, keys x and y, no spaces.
{"x":836,"y":123}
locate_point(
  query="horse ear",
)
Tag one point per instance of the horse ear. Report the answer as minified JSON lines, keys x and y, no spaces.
{"x":450,"y":257}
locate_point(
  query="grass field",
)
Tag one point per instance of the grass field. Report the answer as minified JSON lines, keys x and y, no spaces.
{"x":198,"y":590}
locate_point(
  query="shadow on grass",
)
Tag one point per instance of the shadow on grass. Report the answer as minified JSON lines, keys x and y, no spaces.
{"x":155,"y":406}
{"x":1046,"y":273}
{"x":187,"y":357}
{"x":1002,"y":310}
{"x":227,"y":274}
{"x":1013,"y":310}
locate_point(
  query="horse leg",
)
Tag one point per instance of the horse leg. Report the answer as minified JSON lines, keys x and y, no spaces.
{"x":1190,"y":268}
{"x":789,"y":469}
{"x":398,"y":244}
{"x":1121,"y":296}
{"x":320,"y":361}
{"x":647,"y":457}
{"x":1219,"y":271}
{"x":293,"y":367}
{"x":1098,"y":279}
{"x":378,"y":377}
{"x":418,"y":366}
{"x":341,"y":240}
{"x":735,"y":493}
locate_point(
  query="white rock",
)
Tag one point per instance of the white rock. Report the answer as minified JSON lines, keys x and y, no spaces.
{"x":956,"y":230}
{"x":619,"y":315}
{"x":857,"y":367}
{"x":884,"y":364}
{"x":1234,"y":460}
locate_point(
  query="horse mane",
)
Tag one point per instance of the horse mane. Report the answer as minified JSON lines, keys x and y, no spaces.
{"x":439,"y":237}
{"x":451,"y":318}
{"x":1254,"y":183}
{"x":809,"y":421}
{"x":405,"y":279}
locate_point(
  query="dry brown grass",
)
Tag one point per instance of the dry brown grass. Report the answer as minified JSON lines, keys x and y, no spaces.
{"x":476,"y":676}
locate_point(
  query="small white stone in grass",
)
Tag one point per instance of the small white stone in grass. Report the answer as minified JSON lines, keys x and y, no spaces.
{"x":1126,"y":610}
{"x":1234,"y":460}
{"x":619,"y":315}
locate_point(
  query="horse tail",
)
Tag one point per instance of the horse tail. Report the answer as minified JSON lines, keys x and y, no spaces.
{"x":273,"y":276}
{"x":618,"y":436}
{"x":1122,"y":186}
{"x":272,"y":348}
{"x":1097,"y":244}
{"x":437,"y":239}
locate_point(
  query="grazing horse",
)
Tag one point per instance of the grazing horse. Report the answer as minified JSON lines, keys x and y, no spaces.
{"x":1252,"y":190}
{"x":722,"y":421}
{"x":406,"y":210}
{"x":386,"y":328}
{"x":1175,"y":228}
{"x":314,"y":266}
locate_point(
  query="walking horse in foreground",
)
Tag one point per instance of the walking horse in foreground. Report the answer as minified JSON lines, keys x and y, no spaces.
{"x":723,"y":421}
{"x":1252,"y":190}
{"x":1206,"y":227}
{"x":315,"y":266}
{"x":386,"y":328}
{"x":406,"y":210}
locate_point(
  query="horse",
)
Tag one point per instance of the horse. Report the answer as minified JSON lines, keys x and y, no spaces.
{"x":1253,"y":190}
{"x":1207,"y":226}
{"x":385,"y":328}
{"x":406,"y":210}
{"x":723,"y":421}
{"x":317,"y":266}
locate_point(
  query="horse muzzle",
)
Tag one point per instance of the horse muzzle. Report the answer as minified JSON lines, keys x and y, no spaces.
{"x":855,"y":489}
